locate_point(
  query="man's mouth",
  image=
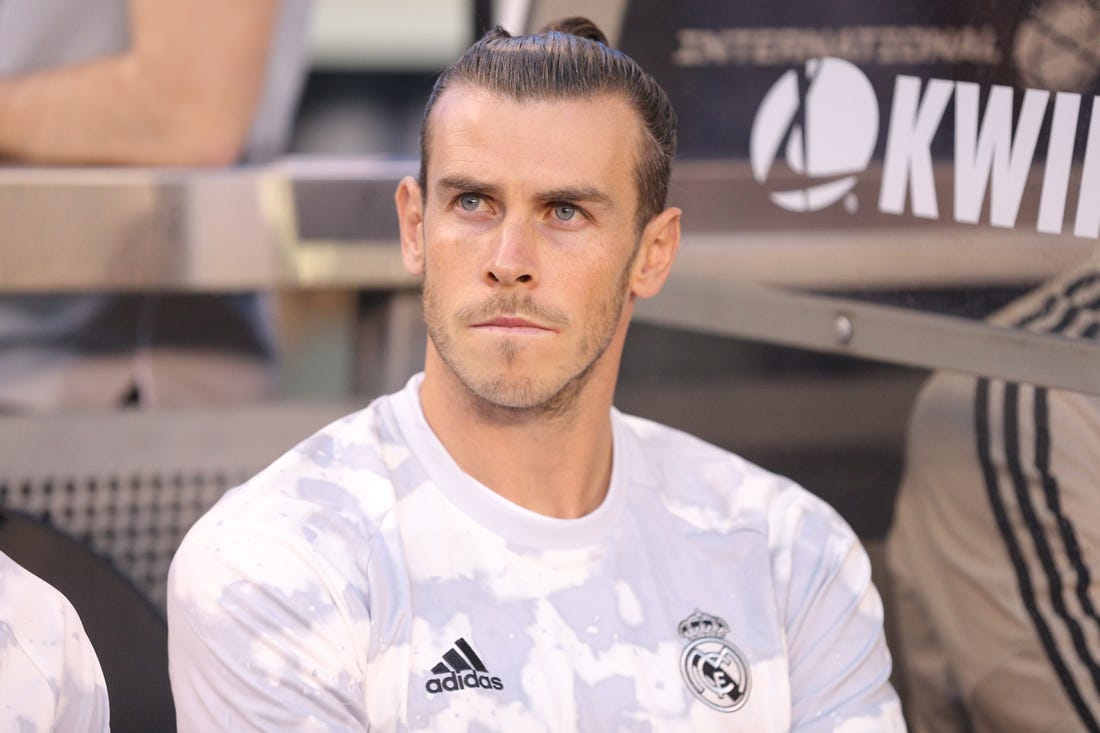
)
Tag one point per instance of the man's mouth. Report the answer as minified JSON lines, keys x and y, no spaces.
{"x":513,"y":323}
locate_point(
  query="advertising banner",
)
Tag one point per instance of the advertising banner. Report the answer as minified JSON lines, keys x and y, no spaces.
{"x":899,"y":146}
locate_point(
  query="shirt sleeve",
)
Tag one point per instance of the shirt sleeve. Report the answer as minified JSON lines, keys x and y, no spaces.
{"x":50,"y":677}
{"x":839,"y":662}
{"x":262,"y":635}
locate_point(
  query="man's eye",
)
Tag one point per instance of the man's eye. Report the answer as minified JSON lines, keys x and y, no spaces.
{"x":565,"y":212}
{"x":469,"y":201}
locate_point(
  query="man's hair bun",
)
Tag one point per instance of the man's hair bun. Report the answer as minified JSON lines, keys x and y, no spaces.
{"x":578,"y":26}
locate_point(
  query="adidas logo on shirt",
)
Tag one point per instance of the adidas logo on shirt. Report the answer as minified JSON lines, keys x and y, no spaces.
{"x":461,"y":668}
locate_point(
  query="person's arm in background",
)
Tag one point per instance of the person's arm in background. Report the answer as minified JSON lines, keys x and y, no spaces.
{"x":184,"y":93}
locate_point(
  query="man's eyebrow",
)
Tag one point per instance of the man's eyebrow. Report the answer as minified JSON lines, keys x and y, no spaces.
{"x":587,"y":195}
{"x":472,"y":185}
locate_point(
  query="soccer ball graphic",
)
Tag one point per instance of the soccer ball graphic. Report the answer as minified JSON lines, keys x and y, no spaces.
{"x":1055,"y":48}
{"x":830,"y":130}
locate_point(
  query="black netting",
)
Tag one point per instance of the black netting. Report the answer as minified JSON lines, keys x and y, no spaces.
{"x":136,"y":521}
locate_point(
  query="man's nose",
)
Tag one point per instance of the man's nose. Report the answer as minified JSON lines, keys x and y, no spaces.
{"x":511,"y":260}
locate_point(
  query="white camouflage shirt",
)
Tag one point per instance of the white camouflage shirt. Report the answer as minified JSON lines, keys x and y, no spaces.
{"x":50,"y":678}
{"x":363,"y":581}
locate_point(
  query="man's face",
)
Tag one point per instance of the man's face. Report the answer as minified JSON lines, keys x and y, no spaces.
{"x":529,"y":242}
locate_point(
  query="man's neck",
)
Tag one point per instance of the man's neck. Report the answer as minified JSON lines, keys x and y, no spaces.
{"x":554,"y":463}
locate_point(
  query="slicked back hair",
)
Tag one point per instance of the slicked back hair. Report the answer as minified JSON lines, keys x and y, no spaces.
{"x":569,"y":60}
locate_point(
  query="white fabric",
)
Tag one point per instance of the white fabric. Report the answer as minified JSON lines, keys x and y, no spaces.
{"x":320,"y":595}
{"x":50,"y":678}
{"x":39,"y":34}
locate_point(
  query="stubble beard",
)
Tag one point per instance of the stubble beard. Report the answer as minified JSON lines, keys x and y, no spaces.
{"x":502,"y":397}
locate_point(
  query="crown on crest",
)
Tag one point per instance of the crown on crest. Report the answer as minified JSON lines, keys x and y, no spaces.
{"x":699,"y":625}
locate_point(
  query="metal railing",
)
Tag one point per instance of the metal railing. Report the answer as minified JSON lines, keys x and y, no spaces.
{"x":303,"y":225}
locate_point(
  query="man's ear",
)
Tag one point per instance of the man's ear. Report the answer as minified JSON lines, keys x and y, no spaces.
{"x":410,"y":219}
{"x":657,"y":251}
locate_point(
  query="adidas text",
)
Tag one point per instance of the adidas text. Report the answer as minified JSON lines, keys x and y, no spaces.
{"x":453,"y":682}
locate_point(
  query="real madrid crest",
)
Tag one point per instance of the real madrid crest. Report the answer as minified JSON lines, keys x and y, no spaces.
{"x":714,"y":669}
